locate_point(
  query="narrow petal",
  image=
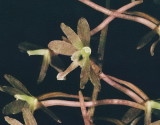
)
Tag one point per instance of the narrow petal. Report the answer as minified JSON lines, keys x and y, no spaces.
{"x":28,"y":117}
{"x":62,"y":47}
{"x":130,"y":115}
{"x":83,"y":31}
{"x":72,"y":36}
{"x":49,"y":112}
{"x":13,"y":107}
{"x":135,"y":121}
{"x":85,"y":72}
{"x":10,"y":90}
{"x":153,"y":47}
{"x":62,"y":75}
{"x":45,"y":64}
{"x":16,"y":83}
{"x":37,"y":52}
{"x":146,"y":39}
{"x":94,"y":78}
{"x":12,"y":121}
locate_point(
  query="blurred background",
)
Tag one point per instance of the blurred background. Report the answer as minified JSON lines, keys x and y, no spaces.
{"x":38,"y":22}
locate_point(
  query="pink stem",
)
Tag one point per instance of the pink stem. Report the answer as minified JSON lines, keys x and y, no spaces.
{"x":125,"y":90}
{"x":131,"y":86}
{"x":111,"y":17}
{"x":83,"y":109}
{"x":97,"y":7}
{"x":48,"y":103}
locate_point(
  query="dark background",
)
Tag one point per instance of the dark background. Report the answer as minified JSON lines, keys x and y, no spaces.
{"x":38,"y":21}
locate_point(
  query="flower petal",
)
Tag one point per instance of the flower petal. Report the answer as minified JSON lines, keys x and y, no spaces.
{"x":153,"y":47}
{"x":16,"y":83}
{"x":28,"y":117}
{"x":12,"y":121}
{"x":37,"y":52}
{"x":135,"y":121}
{"x":62,"y":47}
{"x":83,"y":31}
{"x":85,"y":72}
{"x":13,"y":107}
{"x":130,"y":115}
{"x":62,"y":75}
{"x":45,"y":64}
{"x":146,"y":39}
{"x":49,"y":112}
{"x":72,"y":36}
{"x":94,"y":78}
{"x":10,"y":90}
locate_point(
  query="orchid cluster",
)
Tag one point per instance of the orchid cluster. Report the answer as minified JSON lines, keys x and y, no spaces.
{"x":78,"y":47}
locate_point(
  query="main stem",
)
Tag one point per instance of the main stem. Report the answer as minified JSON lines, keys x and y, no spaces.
{"x":48,"y":103}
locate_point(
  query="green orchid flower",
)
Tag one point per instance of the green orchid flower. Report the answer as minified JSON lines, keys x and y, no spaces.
{"x":148,"y":37}
{"x":49,"y":58}
{"x":23,"y":98}
{"x":78,"y":47}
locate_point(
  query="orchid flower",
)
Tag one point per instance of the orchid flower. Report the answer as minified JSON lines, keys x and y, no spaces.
{"x":49,"y":58}
{"x":78,"y":47}
{"x":23,"y":97}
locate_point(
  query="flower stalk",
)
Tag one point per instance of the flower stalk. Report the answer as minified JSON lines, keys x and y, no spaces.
{"x":48,"y":103}
{"x":125,"y":90}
